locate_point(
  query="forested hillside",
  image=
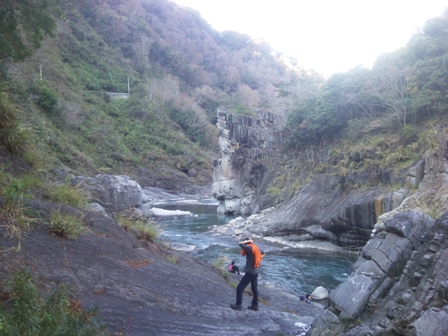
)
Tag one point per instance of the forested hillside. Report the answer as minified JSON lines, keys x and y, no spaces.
{"x":180,"y":72}
{"x":389,"y":116}
{"x":352,"y":148}
{"x":402,"y":90}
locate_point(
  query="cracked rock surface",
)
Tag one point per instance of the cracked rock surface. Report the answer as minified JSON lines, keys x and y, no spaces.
{"x":138,"y":291}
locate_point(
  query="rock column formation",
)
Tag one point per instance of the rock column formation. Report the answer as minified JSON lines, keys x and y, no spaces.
{"x":246,"y":145}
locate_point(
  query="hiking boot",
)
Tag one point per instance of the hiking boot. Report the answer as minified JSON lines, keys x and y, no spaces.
{"x":253,"y":308}
{"x":236,"y":306}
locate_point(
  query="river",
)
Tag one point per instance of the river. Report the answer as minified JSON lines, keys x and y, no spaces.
{"x":297,"y":270}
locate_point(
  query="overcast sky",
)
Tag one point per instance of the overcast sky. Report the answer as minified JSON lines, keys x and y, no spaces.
{"x":328,"y":36}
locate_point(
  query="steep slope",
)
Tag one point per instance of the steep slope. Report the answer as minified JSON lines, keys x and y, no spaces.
{"x":135,"y":286}
{"x":179,"y":72}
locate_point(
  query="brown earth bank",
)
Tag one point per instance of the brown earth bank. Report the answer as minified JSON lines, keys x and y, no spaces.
{"x":137,"y":290}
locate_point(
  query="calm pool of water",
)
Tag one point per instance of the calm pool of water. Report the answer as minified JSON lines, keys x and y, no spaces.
{"x":300,"y":271}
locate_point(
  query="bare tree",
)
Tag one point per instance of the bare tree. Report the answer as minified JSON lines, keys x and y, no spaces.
{"x":162,"y":90}
{"x":391,"y":86}
{"x":141,"y":49}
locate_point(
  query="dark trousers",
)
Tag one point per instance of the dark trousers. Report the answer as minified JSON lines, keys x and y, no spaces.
{"x":235,"y":269}
{"x":251,"y":279}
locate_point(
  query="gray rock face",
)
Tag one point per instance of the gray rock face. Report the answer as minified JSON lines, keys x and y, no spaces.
{"x":432,"y":322}
{"x":114,"y":192}
{"x":323,"y":210}
{"x":335,"y":208}
{"x":398,"y":286}
{"x":382,"y":258}
{"x":95,"y":207}
{"x":326,"y":322}
{"x":137,"y":291}
{"x":245,"y":144}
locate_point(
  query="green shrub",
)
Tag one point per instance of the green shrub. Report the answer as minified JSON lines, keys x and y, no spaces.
{"x":29,"y":314}
{"x":220,"y":262}
{"x":408,"y":134}
{"x":147,"y":230}
{"x":14,"y":136}
{"x":274,"y":190}
{"x":35,"y":157}
{"x":67,"y":226}
{"x":401,"y":154}
{"x":67,"y":194}
{"x":172,"y":258}
{"x":46,"y":98}
{"x":244,"y":110}
{"x":141,"y":229}
{"x":13,"y":211}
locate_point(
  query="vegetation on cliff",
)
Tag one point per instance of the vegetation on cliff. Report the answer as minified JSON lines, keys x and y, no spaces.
{"x":179,"y":70}
{"x":388,"y":116}
{"x":57,"y":111}
{"x":403,"y":89}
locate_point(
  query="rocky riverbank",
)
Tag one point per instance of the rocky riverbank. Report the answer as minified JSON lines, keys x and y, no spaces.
{"x":138,"y":290}
{"x":140,"y":287}
{"x":242,"y":227}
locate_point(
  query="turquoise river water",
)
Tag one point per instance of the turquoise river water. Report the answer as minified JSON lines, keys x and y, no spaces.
{"x":299,"y":271}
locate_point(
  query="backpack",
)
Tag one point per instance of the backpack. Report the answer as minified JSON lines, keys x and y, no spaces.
{"x":230,"y":268}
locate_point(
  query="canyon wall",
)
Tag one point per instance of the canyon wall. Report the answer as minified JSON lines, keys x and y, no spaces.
{"x":248,"y":148}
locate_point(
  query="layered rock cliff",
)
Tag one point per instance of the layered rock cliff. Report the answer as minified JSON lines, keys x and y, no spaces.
{"x":399,"y":286}
{"x":342,"y":209}
{"x":247,"y":145}
{"x":329,"y":208}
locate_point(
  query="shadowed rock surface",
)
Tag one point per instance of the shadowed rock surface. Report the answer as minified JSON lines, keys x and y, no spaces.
{"x":139,"y":292}
{"x":247,"y":145}
{"x":398,"y":286}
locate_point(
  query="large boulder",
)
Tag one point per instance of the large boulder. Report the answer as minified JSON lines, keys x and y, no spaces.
{"x":320,"y":293}
{"x":398,"y":286}
{"x":115,"y":193}
{"x":383,"y":258}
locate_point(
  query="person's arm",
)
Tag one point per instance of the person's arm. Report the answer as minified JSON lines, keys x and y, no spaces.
{"x":244,"y":246}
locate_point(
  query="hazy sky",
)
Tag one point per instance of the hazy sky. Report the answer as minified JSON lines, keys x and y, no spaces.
{"x":326,"y":35}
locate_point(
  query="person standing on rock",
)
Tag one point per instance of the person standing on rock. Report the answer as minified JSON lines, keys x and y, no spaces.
{"x":253,"y":260}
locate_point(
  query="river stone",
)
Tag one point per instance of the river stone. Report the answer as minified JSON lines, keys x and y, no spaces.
{"x":95,"y":207}
{"x":163,"y":213}
{"x":319,"y":293}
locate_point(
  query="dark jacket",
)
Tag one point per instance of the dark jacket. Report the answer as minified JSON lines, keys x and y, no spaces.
{"x":249,"y":268}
